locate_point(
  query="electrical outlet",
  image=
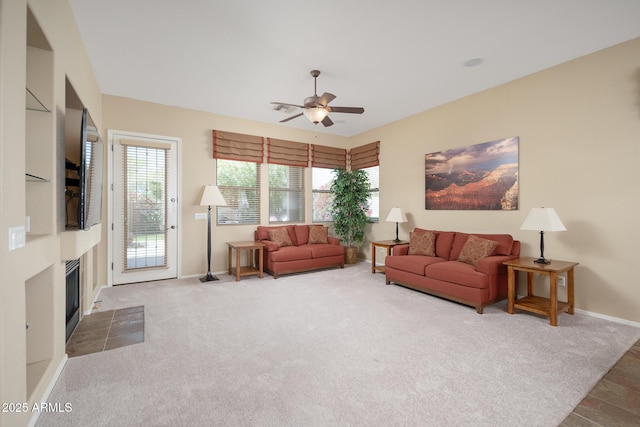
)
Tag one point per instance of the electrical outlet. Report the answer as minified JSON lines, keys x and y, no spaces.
{"x":562,"y":281}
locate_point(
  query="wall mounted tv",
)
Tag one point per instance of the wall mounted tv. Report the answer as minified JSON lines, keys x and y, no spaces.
{"x":83,"y":189}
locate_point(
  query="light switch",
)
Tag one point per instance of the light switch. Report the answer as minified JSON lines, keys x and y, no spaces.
{"x":17,"y":237}
{"x":200,"y":216}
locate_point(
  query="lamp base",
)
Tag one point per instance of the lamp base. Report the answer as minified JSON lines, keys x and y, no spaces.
{"x":208,"y":277}
{"x":542,"y":261}
{"x":396,"y":240}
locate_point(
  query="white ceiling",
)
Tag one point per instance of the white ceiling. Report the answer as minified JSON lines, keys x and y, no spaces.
{"x":394,"y":58}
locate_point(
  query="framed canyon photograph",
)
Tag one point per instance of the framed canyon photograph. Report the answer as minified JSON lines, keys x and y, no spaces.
{"x":476,"y":177}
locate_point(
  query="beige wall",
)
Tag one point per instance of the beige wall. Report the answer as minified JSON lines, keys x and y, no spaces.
{"x":579,"y":129}
{"x":198,"y":167}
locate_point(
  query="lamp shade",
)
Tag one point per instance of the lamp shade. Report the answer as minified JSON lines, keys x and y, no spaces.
{"x":543,"y":219}
{"x":316,"y":114}
{"x":211,"y":196}
{"x":396,"y":215}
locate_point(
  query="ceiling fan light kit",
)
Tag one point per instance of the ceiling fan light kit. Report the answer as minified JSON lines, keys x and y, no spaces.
{"x":316,"y":108}
{"x":316,"y":114}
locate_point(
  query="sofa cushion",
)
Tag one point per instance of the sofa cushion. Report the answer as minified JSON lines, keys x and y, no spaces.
{"x":476,"y":248}
{"x":422,"y":243}
{"x":302,"y":234}
{"x":262,"y":232}
{"x":415,"y":264}
{"x":459,"y":273}
{"x":280,"y":236}
{"x":444,"y":240}
{"x":321,"y":251}
{"x":291,"y":253}
{"x":505,"y":243}
{"x":318,"y":234}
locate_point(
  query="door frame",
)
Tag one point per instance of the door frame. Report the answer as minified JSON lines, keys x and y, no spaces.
{"x":112,"y":134}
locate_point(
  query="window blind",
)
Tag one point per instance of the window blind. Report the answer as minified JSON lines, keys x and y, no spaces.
{"x":237,"y":146}
{"x":239,"y":183}
{"x":145,"y":173}
{"x":286,"y":193}
{"x":328,"y":157}
{"x":365,"y":156}
{"x":289,"y":153}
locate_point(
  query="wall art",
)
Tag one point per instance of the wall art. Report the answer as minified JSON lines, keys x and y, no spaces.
{"x":477,"y":177}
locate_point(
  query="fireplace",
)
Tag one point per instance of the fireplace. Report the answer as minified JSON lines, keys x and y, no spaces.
{"x":73,"y":295}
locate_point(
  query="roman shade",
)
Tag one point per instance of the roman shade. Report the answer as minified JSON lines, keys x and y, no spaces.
{"x":328,"y":157}
{"x":238,"y":146}
{"x":365,"y":156}
{"x":289,"y":153}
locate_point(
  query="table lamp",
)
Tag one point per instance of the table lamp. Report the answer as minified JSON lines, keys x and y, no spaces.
{"x":542,"y":219}
{"x":211,"y":196}
{"x":396,"y":215}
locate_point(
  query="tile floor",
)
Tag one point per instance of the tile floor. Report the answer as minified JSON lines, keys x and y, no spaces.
{"x":107,"y":330}
{"x":615,"y":400}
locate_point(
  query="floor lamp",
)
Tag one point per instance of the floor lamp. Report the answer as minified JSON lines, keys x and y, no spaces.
{"x":542,"y":219}
{"x":211,"y":196}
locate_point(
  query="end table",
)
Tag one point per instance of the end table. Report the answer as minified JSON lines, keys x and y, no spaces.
{"x":251,"y":248}
{"x":546,"y":306}
{"x":388,"y":244}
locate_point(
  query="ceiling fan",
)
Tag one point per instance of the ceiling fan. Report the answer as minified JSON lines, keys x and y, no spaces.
{"x":317,"y":108}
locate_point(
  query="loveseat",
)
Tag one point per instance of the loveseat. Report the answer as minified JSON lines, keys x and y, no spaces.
{"x":296,"y":248}
{"x":462,"y":267}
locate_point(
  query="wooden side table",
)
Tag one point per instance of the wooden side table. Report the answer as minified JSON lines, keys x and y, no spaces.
{"x":546,"y":306}
{"x":388,"y":244}
{"x":251,"y":247}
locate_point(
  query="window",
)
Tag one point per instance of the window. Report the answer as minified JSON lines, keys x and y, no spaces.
{"x":239,"y":183}
{"x":286,"y":193}
{"x":366,"y":157}
{"x":320,"y":184}
{"x":373,"y":209}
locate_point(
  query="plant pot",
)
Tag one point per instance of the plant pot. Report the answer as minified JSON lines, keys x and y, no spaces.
{"x":350,"y":255}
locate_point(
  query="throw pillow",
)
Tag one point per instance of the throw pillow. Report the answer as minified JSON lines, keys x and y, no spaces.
{"x":422,"y":243}
{"x":475,"y":248}
{"x":318,"y":235}
{"x":280,"y":236}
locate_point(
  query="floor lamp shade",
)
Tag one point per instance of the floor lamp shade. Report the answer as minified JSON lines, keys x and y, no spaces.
{"x":543,"y":219}
{"x":211,"y":196}
{"x":396,"y":215}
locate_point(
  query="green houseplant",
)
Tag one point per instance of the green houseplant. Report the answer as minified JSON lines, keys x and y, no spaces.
{"x":350,"y":190}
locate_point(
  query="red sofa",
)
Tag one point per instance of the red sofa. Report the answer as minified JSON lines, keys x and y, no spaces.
{"x":444,"y":275}
{"x":301,"y":254}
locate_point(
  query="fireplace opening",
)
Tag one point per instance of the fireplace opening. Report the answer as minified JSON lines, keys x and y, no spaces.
{"x":73,"y":296}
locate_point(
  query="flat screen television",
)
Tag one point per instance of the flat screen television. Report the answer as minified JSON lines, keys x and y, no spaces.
{"x":91,"y":173}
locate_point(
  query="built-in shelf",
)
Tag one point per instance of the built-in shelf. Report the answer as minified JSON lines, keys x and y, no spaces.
{"x":75,"y":243}
{"x":34,"y":104}
{"x":35,"y":178}
{"x":35,"y":372}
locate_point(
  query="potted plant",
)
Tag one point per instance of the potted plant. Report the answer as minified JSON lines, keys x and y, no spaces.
{"x":350,"y":191}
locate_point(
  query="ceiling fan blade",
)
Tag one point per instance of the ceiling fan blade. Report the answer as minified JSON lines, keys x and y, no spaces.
{"x":353,"y":110}
{"x":290,"y":105}
{"x":327,"y":122}
{"x":326,"y":98}
{"x":292,"y":117}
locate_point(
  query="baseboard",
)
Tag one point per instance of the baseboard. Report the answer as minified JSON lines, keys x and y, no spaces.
{"x":45,"y":397}
{"x":610,"y":318}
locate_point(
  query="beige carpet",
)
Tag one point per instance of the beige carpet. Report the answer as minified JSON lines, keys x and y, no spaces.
{"x":336,"y":347}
